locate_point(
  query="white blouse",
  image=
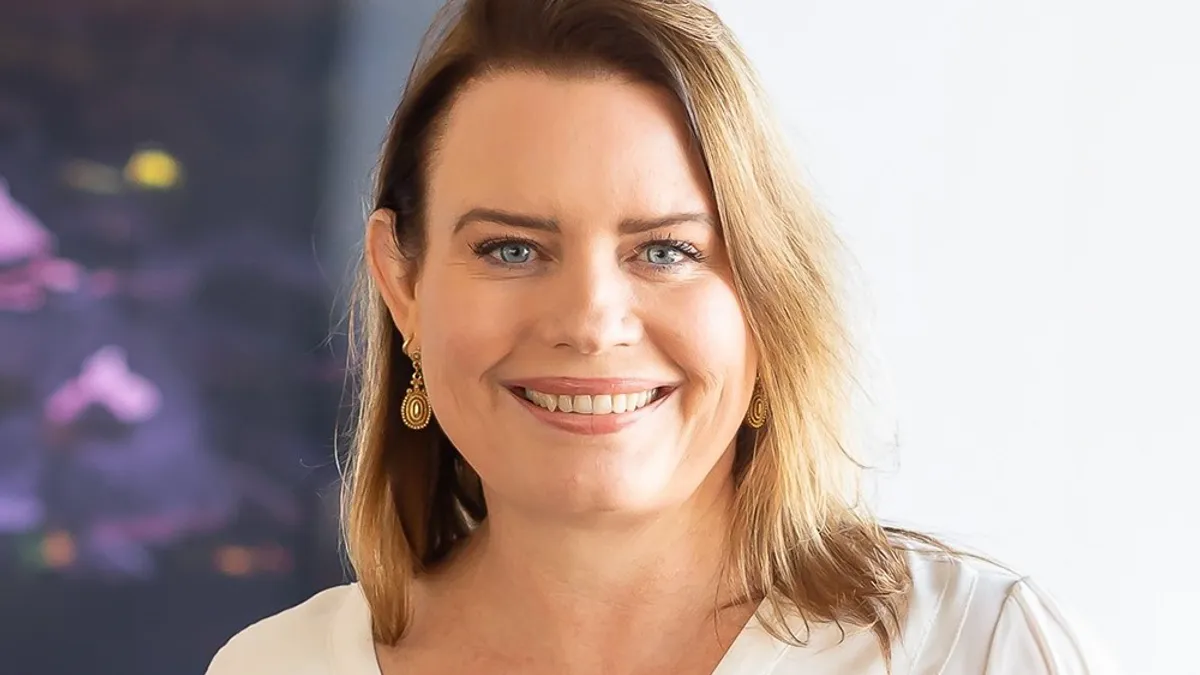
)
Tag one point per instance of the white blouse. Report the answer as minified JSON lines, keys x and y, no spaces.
{"x":965,"y":618}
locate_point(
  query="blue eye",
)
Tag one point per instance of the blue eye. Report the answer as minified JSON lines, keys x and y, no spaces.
{"x":663,"y":254}
{"x":508,"y":252}
{"x":513,"y":253}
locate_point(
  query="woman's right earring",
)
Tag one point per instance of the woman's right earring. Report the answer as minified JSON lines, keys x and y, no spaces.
{"x":415,"y":410}
{"x":757,"y":415}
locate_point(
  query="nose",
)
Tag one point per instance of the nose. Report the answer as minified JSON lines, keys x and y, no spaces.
{"x":592,"y":308}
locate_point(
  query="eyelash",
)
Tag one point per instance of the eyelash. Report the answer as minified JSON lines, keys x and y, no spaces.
{"x":485,"y":249}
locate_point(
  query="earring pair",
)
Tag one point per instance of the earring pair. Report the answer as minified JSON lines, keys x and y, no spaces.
{"x":416,"y":413}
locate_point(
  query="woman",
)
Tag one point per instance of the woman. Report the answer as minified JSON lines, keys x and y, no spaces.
{"x":602,"y":388}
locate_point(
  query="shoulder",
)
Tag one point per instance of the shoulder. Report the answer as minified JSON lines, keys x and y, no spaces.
{"x":1033,"y":634}
{"x":964,"y":615}
{"x":973,"y":616}
{"x":308,"y":639}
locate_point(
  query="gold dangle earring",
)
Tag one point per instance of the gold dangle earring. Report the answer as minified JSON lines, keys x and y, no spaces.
{"x":415,"y":411}
{"x":756,"y":416}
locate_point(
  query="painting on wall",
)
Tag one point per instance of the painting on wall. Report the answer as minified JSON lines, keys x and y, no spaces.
{"x":167,"y":390}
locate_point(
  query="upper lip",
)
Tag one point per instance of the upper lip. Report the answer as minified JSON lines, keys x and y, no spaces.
{"x":572,"y":386}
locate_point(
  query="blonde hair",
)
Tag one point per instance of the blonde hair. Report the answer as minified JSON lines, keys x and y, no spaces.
{"x":799,"y":541}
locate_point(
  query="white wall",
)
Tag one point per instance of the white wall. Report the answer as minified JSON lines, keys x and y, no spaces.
{"x":1018,"y":182}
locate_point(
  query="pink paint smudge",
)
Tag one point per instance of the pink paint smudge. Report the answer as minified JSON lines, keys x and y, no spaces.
{"x":27,"y":250}
{"x":22,"y":235}
{"x":105,"y":379}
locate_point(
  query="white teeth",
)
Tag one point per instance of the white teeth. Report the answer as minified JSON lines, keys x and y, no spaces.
{"x":602,"y":404}
{"x":619,"y":403}
{"x":582,"y":404}
{"x":599,"y":404}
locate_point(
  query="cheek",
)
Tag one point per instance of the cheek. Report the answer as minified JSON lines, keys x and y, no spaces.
{"x":703,"y":329}
{"x":466,"y":327}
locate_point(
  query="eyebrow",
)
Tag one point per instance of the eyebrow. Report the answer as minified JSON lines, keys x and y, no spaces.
{"x":627,"y":226}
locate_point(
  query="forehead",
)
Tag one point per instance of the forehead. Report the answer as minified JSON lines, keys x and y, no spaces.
{"x":562,"y":145}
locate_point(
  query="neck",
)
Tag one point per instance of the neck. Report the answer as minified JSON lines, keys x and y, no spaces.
{"x":620,"y":589}
{"x":676,"y":554}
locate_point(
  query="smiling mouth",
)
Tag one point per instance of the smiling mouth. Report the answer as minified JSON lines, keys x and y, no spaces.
{"x":593,"y":404}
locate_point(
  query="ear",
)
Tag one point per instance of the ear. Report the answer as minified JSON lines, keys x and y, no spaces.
{"x":394,"y":276}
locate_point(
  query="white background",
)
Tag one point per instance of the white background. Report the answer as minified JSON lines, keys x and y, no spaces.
{"x":1017,"y":180}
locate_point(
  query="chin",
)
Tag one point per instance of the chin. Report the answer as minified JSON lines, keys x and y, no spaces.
{"x":597,"y":490}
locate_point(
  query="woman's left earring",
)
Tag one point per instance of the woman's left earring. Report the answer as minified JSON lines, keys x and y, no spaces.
{"x":757,"y":415}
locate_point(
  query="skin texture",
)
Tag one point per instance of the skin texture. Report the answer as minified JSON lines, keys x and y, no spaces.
{"x":601,"y":551}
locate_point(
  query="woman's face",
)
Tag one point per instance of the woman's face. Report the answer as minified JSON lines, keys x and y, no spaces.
{"x":580,"y":337}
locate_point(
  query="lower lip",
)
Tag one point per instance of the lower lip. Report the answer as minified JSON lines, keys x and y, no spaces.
{"x":590,"y":425}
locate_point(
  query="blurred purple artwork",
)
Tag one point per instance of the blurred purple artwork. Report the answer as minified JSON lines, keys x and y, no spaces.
{"x":166,"y":405}
{"x":111,"y":463}
{"x":168,"y":390}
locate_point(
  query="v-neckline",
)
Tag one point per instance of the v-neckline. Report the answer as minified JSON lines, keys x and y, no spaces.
{"x":352,"y":644}
{"x":753,"y":652}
